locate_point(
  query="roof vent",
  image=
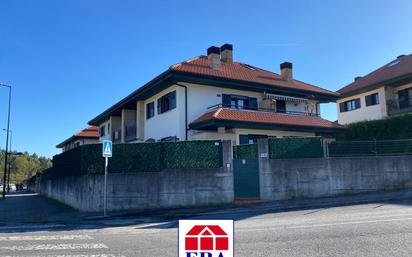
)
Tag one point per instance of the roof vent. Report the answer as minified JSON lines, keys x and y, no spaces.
{"x":400,"y":56}
{"x":358,"y":78}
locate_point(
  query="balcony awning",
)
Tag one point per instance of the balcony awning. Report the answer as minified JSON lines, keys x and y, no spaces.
{"x":285,"y":98}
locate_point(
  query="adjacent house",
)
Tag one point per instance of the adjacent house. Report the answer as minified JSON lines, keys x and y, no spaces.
{"x":89,"y":135}
{"x":215,"y":97}
{"x":384,"y":92}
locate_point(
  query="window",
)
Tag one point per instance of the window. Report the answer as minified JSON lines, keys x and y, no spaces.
{"x":250,"y":138}
{"x":166,"y":102}
{"x":405,"y":98}
{"x":103,"y":130}
{"x":350,"y":105}
{"x":239,"y":101}
{"x":150,"y":110}
{"x":372,"y":99}
{"x":280,"y":106}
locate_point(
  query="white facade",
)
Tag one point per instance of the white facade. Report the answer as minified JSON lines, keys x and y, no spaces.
{"x":172,"y":123}
{"x":387,"y":95}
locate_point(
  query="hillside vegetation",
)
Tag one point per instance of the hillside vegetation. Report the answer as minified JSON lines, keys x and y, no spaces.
{"x":23,"y":166}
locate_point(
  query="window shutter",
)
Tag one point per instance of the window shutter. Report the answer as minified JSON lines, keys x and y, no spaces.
{"x":368,"y":100}
{"x":357,"y":103}
{"x":225,"y":100}
{"x":342,"y":107}
{"x":159,"y":105}
{"x":252,"y":103}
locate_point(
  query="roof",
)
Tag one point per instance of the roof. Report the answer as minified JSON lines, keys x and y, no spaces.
{"x":268,"y":118}
{"x":215,"y":229}
{"x":233,"y":75}
{"x":89,"y":132}
{"x":397,"y":69}
{"x":243,"y":72}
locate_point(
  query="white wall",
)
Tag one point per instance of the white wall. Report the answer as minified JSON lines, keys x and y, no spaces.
{"x":372,"y":112}
{"x":170,"y":123}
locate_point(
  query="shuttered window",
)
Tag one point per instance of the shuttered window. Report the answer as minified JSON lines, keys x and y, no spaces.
{"x":350,"y":105}
{"x":372,"y":99}
{"x":239,"y":102}
{"x":166,"y":102}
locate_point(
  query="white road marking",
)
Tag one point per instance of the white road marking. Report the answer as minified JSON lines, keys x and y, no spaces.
{"x":53,"y":247}
{"x":44,"y":238}
{"x":81,"y":255}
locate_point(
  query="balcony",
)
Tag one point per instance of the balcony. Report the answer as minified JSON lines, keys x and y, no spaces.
{"x":130,"y":132}
{"x":398,"y":107}
{"x":285,"y":111}
{"x":117,"y":135}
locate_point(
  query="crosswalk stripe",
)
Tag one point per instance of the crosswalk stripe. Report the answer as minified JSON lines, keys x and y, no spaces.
{"x":44,"y":238}
{"x":53,"y":247}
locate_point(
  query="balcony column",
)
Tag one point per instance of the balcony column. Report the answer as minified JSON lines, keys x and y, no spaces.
{"x":140,"y":120}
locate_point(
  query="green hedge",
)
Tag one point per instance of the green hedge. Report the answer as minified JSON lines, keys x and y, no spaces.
{"x":396,"y":127}
{"x":295,"y":147}
{"x":139,"y":157}
{"x":245,"y":151}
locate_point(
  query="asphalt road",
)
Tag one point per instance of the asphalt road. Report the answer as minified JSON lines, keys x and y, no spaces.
{"x":381,"y":229}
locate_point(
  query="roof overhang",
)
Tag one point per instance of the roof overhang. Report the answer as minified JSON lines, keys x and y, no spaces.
{"x":394,"y":82}
{"x":171,"y":77}
{"x":72,"y":139}
{"x":214,"y":124}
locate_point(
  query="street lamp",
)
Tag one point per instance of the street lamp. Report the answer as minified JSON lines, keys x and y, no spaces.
{"x":7,"y":141}
{"x":10,"y":154}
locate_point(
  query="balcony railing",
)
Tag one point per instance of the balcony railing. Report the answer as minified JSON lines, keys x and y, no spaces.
{"x":396,"y":107}
{"x":130,"y":132}
{"x":117,"y":135}
{"x":216,"y":106}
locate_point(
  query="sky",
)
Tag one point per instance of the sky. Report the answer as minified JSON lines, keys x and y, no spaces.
{"x":69,"y":60}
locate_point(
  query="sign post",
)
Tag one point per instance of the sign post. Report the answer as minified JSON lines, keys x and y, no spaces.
{"x":107,"y":152}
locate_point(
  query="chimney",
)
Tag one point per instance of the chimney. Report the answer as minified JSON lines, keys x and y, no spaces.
{"x":358,"y":77}
{"x":400,"y":56}
{"x":213,"y":55}
{"x":226,"y":53}
{"x":286,"y":71}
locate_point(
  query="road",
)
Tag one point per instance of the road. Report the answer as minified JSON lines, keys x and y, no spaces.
{"x":378,"y":229}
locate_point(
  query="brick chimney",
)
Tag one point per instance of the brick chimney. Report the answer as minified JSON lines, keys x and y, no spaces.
{"x":226,"y":53}
{"x":286,"y":71}
{"x":213,"y":55}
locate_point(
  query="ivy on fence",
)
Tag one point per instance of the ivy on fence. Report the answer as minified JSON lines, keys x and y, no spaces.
{"x":295,"y":147}
{"x":139,"y":157}
{"x":245,"y":151}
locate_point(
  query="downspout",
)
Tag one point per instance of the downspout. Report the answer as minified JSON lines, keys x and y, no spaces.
{"x":186,"y":125}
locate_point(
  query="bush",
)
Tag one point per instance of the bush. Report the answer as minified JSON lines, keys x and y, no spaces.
{"x":396,"y":127}
{"x":245,"y":151}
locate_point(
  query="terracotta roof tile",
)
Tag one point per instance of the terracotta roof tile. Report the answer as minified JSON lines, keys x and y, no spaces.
{"x":396,"y":68}
{"x":227,"y":114}
{"x":91,"y":131}
{"x":243,"y":72}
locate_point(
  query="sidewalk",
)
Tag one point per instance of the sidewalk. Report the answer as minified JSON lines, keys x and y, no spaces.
{"x":28,"y":208}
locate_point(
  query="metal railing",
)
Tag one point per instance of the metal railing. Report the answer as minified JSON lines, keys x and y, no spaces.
{"x":130,"y":132}
{"x":216,"y":106}
{"x":369,"y":148}
{"x":396,"y":107}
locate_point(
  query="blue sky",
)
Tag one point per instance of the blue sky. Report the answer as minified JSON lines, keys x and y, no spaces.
{"x":70,"y":60}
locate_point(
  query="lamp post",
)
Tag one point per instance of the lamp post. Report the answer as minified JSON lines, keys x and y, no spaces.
{"x":7,"y":141}
{"x":9,"y":164}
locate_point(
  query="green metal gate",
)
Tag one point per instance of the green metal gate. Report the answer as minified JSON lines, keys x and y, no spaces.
{"x":246,"y":172}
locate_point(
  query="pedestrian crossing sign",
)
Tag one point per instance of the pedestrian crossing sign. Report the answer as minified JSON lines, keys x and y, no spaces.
{"x":107,"y":148}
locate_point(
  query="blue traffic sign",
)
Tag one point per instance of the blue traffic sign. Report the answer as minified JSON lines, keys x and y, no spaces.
{"x":107,"y":148}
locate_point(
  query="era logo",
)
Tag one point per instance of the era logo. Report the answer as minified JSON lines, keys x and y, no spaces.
{"x":206,"y":238}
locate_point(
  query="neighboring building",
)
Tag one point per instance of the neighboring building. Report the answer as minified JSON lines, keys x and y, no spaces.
{"x":87,"y":136}
{"x":384,"y":92}
{"x":213,"y":97}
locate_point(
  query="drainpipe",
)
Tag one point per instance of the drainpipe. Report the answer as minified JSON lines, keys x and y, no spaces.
{"x":185,"y":87}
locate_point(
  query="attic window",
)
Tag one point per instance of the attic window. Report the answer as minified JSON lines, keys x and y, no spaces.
{"x":250,"y":67}
{"x":393,"y":63}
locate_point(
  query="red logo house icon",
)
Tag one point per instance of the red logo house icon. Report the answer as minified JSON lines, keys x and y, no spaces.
{"x":206,"y":238}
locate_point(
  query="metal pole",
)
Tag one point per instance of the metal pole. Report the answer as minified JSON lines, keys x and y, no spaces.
{"x":8,"y":170}
{"x":106,"y":162}
{"x":7,"y":144}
